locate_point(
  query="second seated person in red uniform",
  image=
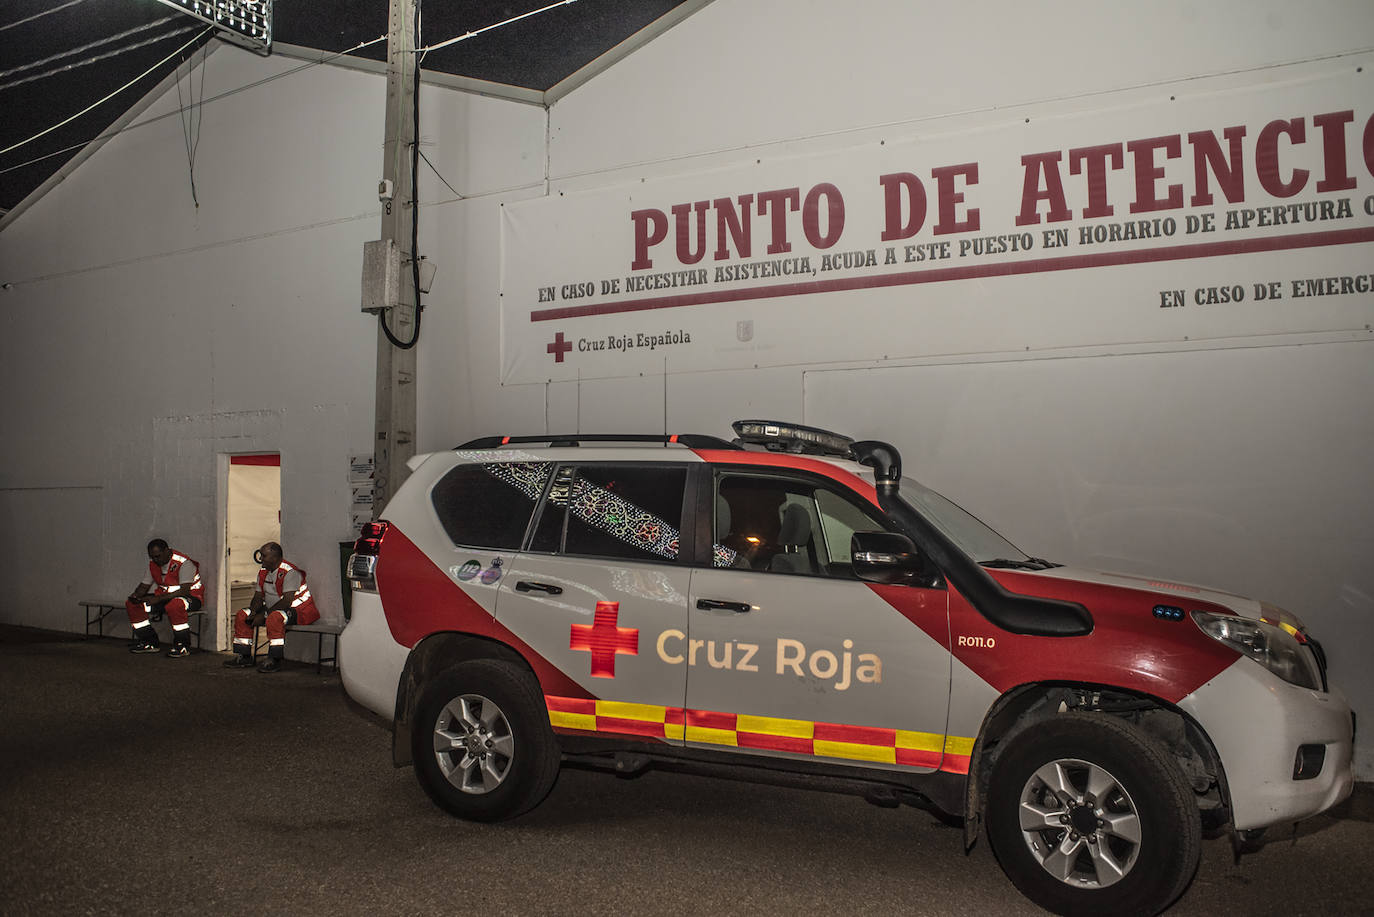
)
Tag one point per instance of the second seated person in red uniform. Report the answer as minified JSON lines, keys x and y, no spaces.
{"x":284,"y":598}
{"x":173,"y":584}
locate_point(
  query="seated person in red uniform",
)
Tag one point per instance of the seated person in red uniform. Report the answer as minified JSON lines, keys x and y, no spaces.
{"x":173,"y":584}
{"x":283,"y":598}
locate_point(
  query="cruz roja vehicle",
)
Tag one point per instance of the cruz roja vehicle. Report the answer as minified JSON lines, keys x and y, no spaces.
{"x":785,"y":607}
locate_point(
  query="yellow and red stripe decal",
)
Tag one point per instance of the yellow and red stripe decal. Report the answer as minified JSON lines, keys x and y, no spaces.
{"x":739,"y":730}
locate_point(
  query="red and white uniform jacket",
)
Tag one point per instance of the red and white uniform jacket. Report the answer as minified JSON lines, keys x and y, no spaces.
{"x":288,"y":580}
{"x":180,"y":571}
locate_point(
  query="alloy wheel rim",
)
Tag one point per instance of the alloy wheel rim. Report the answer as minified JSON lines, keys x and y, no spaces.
{"x":1079,"y":823}
{"x":473,"y":744}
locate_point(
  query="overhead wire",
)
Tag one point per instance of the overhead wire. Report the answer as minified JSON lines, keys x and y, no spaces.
{"x":40,"y":15}
{"x":223,"y":95}
{"x":474,"y":33}
{"x":65,"y":121}
{"x":108,"y":39}
{"x":97,"y":57}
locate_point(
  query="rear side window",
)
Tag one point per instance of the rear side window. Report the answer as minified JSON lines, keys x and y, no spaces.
{"x":489,"y":505}
{"x":630,"y":512}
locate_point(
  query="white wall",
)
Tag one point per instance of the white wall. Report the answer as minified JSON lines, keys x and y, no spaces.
{"x":1235,"y":463}
{"x":142,"y":337}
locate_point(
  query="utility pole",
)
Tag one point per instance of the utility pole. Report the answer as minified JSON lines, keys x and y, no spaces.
{"x":395,"y":408}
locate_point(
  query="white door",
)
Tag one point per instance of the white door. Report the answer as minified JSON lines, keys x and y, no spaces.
{"x":599,"y":586}
{"x":789,"y":654}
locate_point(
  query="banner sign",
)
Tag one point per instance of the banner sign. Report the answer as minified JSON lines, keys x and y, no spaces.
{"x":1227,"y":214}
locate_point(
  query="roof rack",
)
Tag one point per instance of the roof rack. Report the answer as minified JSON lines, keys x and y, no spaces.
{"x":773,"y":435}
{"x":690,"y":440}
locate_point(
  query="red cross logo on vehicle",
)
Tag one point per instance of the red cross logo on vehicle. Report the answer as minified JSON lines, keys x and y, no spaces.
{"x":604,"y":639}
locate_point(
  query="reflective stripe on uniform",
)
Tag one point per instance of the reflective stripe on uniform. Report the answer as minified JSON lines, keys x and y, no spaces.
{"x":278,"y":641}
{"x":244,"y":641}
{"x":144,"y":623}
{"x":181,"y":627}
{"x":302,"y":595}
{"x":823,"y":740}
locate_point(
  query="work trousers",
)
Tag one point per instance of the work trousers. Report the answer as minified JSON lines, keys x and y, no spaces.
{"x":277,"y":623}
{"x":177,"y":611}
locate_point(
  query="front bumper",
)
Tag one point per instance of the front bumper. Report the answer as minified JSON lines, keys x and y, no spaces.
{"x":1258,"y":722}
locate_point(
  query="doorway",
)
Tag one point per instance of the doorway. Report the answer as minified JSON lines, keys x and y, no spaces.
{"x":252,"y":517}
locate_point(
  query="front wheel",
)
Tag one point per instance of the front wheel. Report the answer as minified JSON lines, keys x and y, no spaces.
{"x":482,"y":745}
{"x":1088,"y":815}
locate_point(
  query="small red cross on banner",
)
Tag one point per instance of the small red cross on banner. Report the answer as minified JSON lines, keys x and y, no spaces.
{"x":604,"y":639}
{"x":558,"y":347}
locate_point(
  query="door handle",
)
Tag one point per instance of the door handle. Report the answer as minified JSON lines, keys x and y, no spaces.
{"x":716,"y":605}
{"x":526,"y":586}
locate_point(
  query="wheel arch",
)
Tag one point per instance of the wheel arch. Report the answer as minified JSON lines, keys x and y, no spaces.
{"x":1025,"y":705}
{"x":429,"y":657}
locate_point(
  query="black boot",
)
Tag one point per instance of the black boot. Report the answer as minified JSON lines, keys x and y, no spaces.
{"x":148,"y":645}
{"x":239,"y":661}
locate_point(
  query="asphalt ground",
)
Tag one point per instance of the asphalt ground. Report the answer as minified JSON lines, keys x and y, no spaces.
{"x":142,"y":784}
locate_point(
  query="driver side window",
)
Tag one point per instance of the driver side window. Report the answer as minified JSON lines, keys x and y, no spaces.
{"x":769,"y":523}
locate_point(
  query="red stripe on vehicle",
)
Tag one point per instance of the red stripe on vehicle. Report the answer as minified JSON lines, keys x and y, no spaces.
{"x":955,"y":764}
{"x":793,"y":463}
{"x":582,"y":705}
{"x":1128,"y":647}
{"x":707,"y":719}
{"x":629,"y":727}
{"x":916,"y":757}
{"x":794,"y":744}
{"x":418,"y":600}
{"x":857,"y":735}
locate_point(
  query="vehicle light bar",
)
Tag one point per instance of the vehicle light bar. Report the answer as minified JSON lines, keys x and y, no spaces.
{"x":791,"y":437}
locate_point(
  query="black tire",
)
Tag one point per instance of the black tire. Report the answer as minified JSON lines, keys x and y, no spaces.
{"x":1146,"y":835}
{"x":482,"y":744}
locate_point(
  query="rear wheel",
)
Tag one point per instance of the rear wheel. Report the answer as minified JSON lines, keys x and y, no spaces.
{"x":1089,"y":815}
{"x":482,"y":745}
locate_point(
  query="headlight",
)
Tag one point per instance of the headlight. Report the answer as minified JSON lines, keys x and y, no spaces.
{"x":1269,"y":645}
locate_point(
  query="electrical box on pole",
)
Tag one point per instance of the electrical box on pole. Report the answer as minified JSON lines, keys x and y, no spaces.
{"x":388,"y":289}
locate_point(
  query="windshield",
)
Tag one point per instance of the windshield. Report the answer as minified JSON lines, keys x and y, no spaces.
{"x":967,"y":532}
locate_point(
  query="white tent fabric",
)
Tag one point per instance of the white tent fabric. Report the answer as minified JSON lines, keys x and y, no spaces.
{"x":254,"y":516}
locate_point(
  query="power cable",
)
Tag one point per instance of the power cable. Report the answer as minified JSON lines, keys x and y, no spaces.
{"x":96,"y":58}
{"x":415,"y":156}
{"x":472,"y":34}
{"x":49,"y":130}
{"x":40,"y":15}
{"x":196,"y":118}
{"x":461,"y":195}
{"x":223,"y":95}
{"x":108,"y":39}
{"x":414,"y":208}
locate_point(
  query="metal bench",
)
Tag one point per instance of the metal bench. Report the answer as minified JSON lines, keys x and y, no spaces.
{"x":320,"y":629}
{"x":97,"y":609}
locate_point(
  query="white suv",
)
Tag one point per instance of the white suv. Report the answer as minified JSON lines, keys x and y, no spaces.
{"x":786,"y":601}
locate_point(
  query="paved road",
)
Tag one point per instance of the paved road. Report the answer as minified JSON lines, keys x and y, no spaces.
{"x":140,"y":784}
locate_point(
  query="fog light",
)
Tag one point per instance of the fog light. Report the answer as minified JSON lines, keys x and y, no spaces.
{"x":1308,"y":763}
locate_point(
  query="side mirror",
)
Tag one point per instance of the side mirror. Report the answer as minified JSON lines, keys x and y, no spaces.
{"x":886,"y":558}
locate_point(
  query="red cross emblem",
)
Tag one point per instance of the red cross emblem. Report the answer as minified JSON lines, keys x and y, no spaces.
{"x":604,"y":639}
{"x":558,"y":347}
